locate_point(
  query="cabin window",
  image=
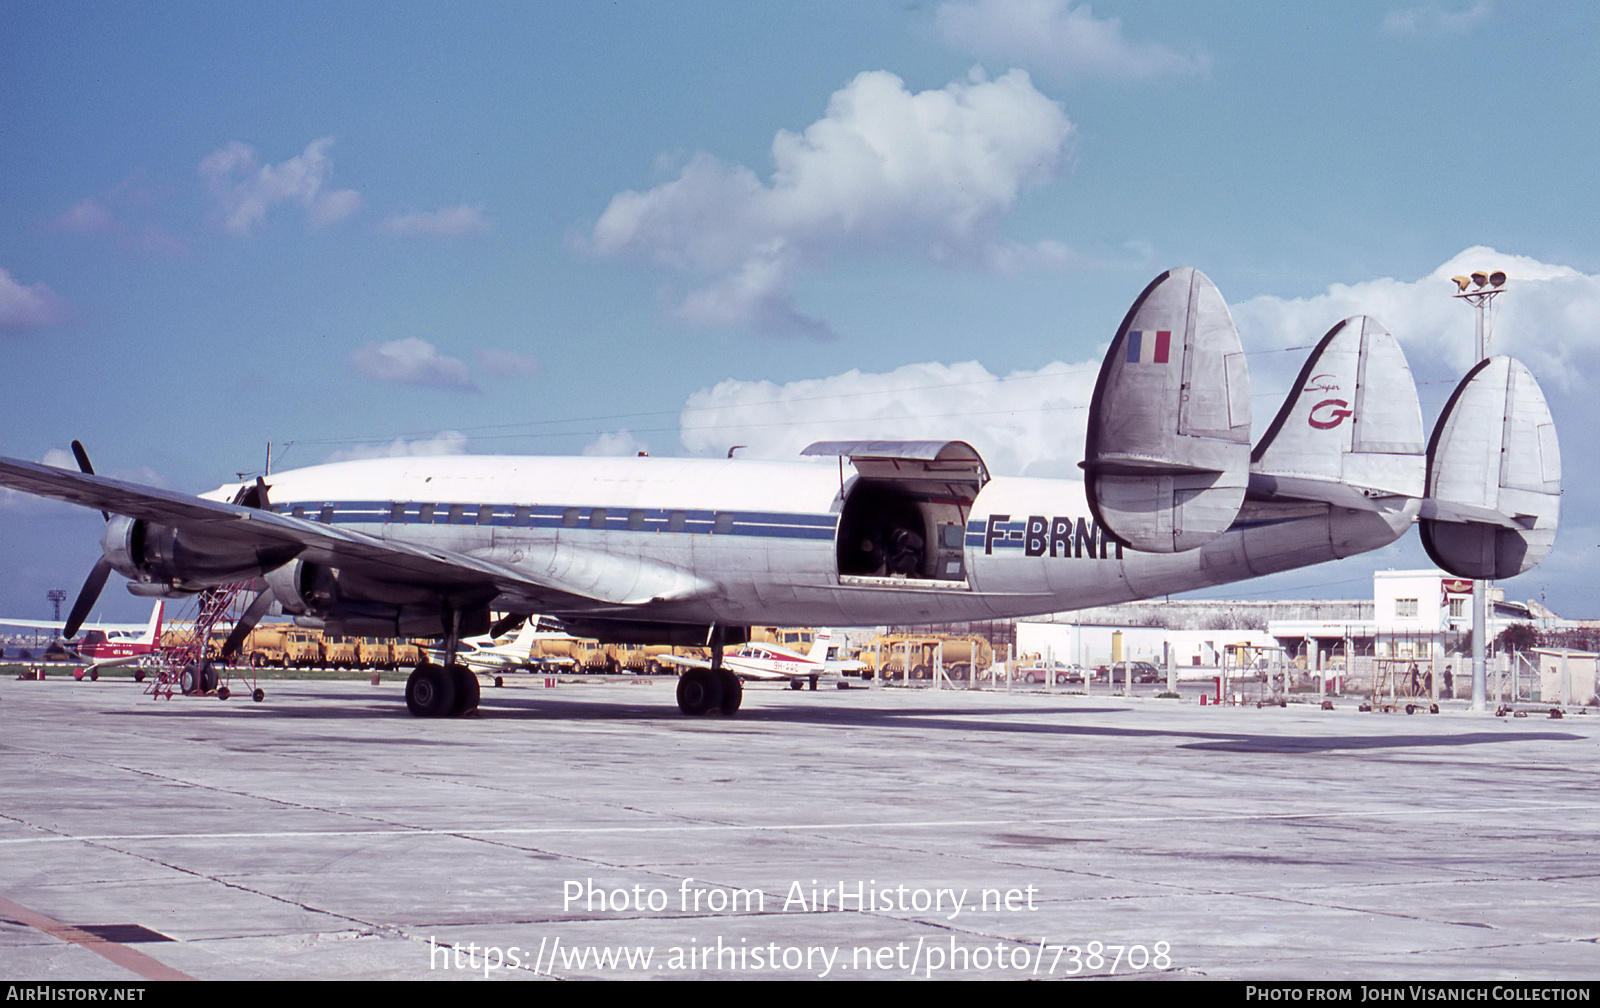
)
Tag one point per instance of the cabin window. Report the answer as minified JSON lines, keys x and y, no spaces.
{"x":677,"y":520}
{"x":455,"y":514}
{"x":425,"y":514}
{"x":325,"y":516}
{"x":523,"y":517}
{"x":569,"y":518}
{"x":597,"y":518}
{"x":397,"y":512}
{"x":486,"y":514}
{"x":636,"y":519}
{"x":723,"y":524}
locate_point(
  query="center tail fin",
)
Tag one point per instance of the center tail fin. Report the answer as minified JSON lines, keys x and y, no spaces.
{"x":1350,"y":431}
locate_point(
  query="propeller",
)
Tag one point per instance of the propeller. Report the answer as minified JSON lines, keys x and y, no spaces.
{"x":252,"y":615}
{"x":96,"y":581}
{"x":253,"y":496}
{"x":506,"y":624}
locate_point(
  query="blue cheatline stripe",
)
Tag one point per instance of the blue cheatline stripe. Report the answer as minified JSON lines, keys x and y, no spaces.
{"x":759,"y":524}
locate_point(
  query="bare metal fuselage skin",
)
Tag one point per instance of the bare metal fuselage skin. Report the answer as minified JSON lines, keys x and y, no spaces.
{"x":736,"y":542}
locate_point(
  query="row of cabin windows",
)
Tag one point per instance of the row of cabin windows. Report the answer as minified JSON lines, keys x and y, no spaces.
{"x":677,"y":521}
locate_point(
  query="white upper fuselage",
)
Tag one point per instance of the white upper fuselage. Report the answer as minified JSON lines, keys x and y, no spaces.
{"x":744,"y":542}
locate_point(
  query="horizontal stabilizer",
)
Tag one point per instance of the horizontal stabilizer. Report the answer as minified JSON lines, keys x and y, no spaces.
{"x":1168,"y":450}
{"x":1494,"y":475}
{"x":1350,"y":431}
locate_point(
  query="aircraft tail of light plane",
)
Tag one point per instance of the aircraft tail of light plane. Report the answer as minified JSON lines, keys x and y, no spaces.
{"x":691,"y":551}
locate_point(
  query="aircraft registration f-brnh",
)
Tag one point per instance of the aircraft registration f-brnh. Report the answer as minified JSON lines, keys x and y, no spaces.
{"x":695,"y":551}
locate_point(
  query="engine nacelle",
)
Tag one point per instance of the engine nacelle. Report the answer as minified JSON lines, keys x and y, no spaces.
{"x":160,"y":559}
{"x":341,"y":602}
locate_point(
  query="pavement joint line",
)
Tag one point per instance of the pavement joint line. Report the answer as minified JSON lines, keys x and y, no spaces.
{"x":468,"y":832}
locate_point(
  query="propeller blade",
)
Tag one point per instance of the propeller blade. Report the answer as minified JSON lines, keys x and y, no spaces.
{"x":258,"y":608}
{"x":506,"y":624}
{"x":92,"y":586}
{"x":88,"y":470}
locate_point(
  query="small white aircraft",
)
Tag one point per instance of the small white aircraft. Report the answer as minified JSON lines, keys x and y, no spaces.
{"x":692,"y":551}
{"x":771,"y":662}
{"x":483,"y":655}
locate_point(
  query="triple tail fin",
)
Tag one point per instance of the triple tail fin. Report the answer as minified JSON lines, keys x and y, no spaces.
{"x":1167,"y":458}
{"x":1494,"y":475}
{"x":1350,"y":431}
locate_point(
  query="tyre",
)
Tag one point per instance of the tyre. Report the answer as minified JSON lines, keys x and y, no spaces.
{"x":699,"y":691}
{"x":732,"y":693}
{"x":467,"y":691}
{"x":431,"y":691}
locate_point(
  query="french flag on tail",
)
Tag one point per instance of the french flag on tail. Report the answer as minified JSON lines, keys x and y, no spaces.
{"x":1149,"y":346}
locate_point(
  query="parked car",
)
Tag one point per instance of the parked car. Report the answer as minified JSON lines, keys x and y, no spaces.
{"x":1039,"y":672}
{"x":1143,"y":672}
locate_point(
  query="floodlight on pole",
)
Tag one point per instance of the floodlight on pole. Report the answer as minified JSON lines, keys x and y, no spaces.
{"x":1485,"y":286}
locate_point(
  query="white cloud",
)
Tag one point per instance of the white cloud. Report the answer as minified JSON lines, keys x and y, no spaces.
{"x":935,"y":170}
{"x":1025,"y":423}
{"x":22,"y":306}
{"x":1433,"y":19}
{"x":1549,"y":317}
{"x":243,"y":190}
{"x":443,"y":443}
{"x":411,"y":361}
{"x":447,"y":222}
{"x":616,"y":443}
{"x":1059,"y":38}
{"x":87,"y":216}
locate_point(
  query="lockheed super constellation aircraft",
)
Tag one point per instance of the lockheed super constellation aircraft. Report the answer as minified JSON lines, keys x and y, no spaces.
{"x":694,"y":551}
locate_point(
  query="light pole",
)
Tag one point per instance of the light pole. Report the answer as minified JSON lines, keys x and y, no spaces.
{"x":1479,"y":290}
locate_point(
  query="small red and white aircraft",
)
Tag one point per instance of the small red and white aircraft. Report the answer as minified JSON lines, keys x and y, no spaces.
{"x":771,"y":662}
{"x":108,"y":643}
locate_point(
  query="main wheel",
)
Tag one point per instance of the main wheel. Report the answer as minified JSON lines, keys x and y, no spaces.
{"x":732,"y":693}
{"x":467,"y":691}
{"x":189,"y":680}
{"x":431,"y":691}
{"x":699,"y":691}
{"x":208,"y":677}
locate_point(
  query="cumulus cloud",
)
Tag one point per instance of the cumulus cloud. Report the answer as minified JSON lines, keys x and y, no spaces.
{"x":1549,"y":316}
{"x":243,"y":190}
{"x":448,"y":222}
{"x":443,"y":443}
{"x":935,"y":170}
{"x":25,"y":306}
{"x":1024,"y":423}
{"x":411,"y":361}
{"x":1434,"y":19}
{"x":616,"y":443}
{"x":1059,"y":38}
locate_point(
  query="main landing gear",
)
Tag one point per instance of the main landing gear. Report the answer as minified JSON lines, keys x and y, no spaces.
{"x":439,"y":691}
{"x":713,"y":690}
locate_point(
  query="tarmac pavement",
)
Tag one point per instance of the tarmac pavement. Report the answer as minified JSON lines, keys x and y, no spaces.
{"x":591,"y":831}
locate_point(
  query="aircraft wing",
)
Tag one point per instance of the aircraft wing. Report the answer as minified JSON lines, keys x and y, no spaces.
{"x":382,"y":559}
{"x":689,"y":662}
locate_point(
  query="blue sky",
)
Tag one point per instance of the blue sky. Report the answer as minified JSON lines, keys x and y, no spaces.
{"x":556,"y":228}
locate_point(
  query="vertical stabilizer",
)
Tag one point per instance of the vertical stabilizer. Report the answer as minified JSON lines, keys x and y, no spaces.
{"x":1168,"y":450}
{"x":1350,"y":431}
{"x":1494,"y":475}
